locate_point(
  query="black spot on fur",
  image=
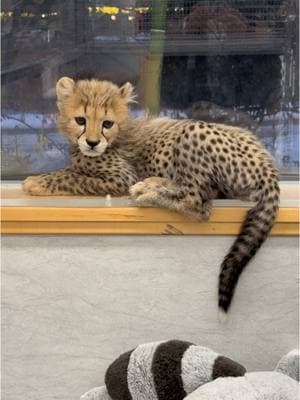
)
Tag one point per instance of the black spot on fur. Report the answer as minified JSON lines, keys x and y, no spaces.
{"x":184,"y":164}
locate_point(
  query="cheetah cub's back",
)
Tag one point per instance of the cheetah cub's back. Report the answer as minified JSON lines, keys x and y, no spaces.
{"x":193,"y":163}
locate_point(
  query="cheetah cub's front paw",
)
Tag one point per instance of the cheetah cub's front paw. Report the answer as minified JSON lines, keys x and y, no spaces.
{"x":139,"y":193}
{"x":145,"y":192}
{"x":137,"y":189}
{"x":36,"y":186}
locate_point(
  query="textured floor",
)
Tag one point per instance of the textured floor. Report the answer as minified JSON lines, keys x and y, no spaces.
{"x":71,"y":304}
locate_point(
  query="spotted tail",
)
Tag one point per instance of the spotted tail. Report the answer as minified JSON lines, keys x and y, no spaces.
{"x":257,"y":225}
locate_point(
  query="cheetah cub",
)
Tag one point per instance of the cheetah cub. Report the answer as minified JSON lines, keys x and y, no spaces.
{"x":178,"y":164}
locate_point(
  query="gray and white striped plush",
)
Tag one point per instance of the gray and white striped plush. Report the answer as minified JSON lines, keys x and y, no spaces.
{"x":281,"y":384}
{"x":163,"y":371}
{"x":194,"y":373}
{"x":269,"y":385}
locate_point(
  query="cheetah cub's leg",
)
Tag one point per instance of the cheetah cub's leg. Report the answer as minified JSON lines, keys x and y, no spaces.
{"x":68,"y":182}
{"x":45,"y":184}
{"x":163,"y":192}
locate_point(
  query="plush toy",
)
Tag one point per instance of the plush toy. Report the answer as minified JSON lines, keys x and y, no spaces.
{"x":162,"y":371}
{"x":281,"y":384}
{"x":176,"y":370}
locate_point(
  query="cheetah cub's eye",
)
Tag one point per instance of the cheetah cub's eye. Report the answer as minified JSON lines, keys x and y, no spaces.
{"x":107,"y":124}
{"x":80,"y":120}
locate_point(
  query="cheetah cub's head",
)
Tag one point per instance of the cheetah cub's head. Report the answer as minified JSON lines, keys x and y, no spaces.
{"x":92,"y":112}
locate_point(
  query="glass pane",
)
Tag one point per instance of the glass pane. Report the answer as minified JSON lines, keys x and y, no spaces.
{"x":233,"y":62}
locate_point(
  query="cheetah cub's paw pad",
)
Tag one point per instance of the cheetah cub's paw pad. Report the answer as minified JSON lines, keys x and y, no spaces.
{"x":144,"y":192}
{"x":137,"y":189}
{"x":35,"y":185}
{"x":147,"y":185}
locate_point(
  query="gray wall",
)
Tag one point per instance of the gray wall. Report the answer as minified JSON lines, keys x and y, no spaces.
{"x":72,"y":304}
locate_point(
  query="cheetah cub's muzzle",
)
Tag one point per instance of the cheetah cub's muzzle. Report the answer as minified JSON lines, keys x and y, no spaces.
{"x":92,"y":148}
{"x":94,"y":135}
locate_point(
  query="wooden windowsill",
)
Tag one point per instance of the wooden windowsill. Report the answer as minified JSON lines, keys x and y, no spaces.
{"x":23,"y":214}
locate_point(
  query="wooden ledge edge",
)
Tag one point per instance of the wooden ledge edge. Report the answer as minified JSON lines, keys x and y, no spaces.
{"x":133,"y":220}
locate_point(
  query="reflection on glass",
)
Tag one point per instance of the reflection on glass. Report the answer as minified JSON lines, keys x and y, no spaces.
{"x":233,"y":61}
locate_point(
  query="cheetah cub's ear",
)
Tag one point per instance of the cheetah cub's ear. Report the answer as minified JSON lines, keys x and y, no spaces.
{"x":64,"y":88}
{"x":126,"y":92}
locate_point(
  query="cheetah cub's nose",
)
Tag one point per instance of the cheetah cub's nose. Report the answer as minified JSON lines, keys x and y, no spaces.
{"x":92,"y":143}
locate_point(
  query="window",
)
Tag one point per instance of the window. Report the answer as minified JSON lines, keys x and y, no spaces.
{"x":233,"y":61}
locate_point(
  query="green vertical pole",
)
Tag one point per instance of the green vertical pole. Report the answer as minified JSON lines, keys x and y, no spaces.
{"x":154,"y":59}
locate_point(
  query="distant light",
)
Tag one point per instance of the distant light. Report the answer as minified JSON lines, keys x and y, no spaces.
{"x":26,"y":14}
{"x":130,"y":18}
{"x":142,"y":10}
{"x":6,"y":14}
{"x":113,"y":17}
{"x":107,"y":10}
{"x":43,"y":15}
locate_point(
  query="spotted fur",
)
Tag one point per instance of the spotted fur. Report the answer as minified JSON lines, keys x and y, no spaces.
{"x":178,"y":164}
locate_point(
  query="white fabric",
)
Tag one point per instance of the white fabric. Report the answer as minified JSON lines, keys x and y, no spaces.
{"x":98,"y":393}
{"x":289,"y":364}
{"x":139,"y":375}
{"x":196,"y":367}
{"x":253,"y":386}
